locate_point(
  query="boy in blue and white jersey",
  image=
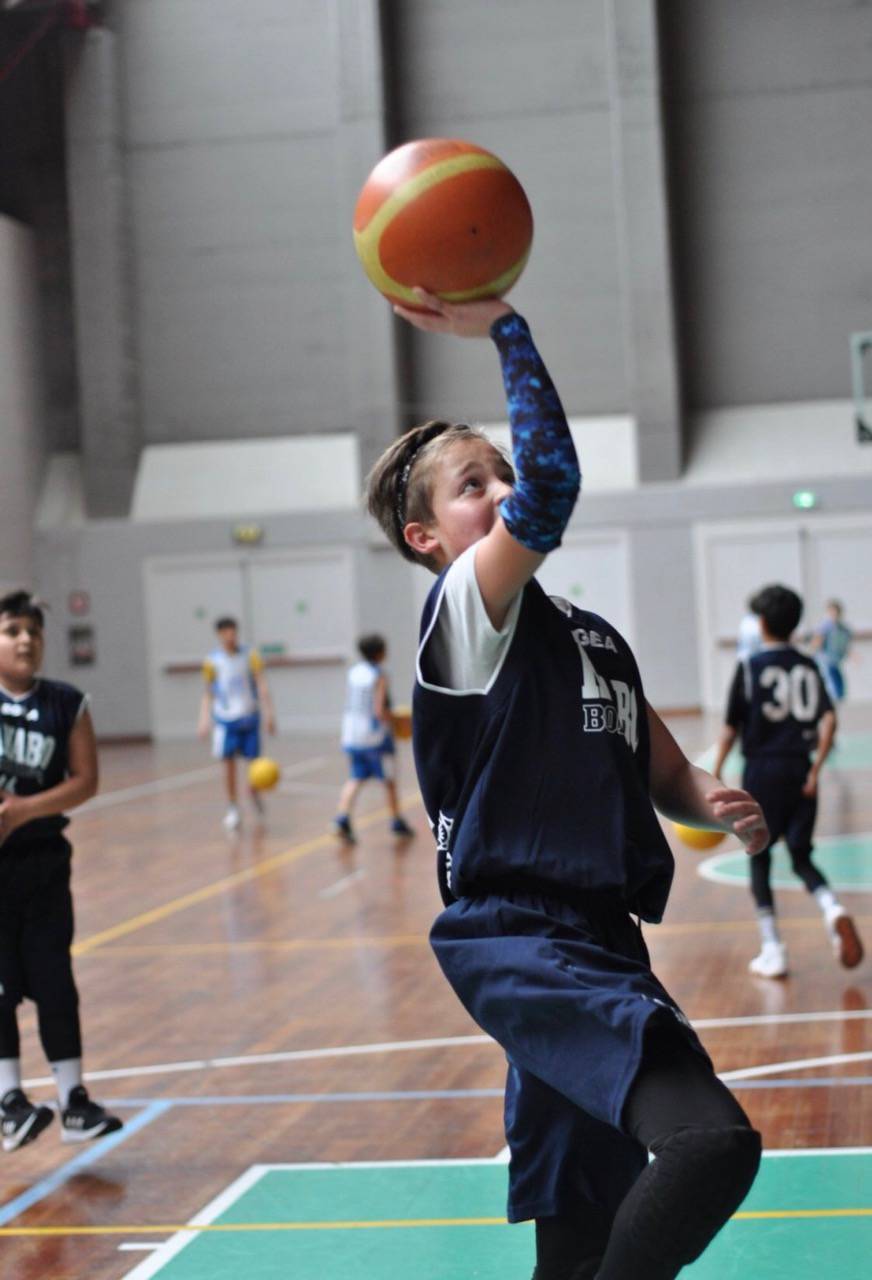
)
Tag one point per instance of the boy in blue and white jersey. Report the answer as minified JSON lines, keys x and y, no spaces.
{"x":367,"y":737}
{"x":538,"y":759}
{"x":48,"y":764}
{"x":236,"y":691}
{"x":779,"y":705}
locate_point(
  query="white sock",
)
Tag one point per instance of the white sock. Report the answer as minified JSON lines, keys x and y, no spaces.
{"x":768,"y":927}
{"x":67,"y":1074}
{"x":10,"y":1074}
{"x":825,"y":898}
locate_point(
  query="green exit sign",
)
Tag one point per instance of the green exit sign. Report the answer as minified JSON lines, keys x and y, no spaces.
{"x":805,"y":499}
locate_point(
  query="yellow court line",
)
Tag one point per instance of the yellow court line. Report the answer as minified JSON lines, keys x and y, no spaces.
{"x":171,"y":908}
{"x":264,"y":944}
{"x":386,"y":1224}
{"x":397,"y":940}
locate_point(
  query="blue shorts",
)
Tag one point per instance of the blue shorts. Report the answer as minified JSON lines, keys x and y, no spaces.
{"x":237,"y":738}
{"x":568,"y":992}
{"x":371,"y":762}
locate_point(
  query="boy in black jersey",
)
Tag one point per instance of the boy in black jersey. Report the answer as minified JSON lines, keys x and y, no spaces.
{"x":780,"y":705}
{"x":538,"y":758}
{"x":48,"y":763}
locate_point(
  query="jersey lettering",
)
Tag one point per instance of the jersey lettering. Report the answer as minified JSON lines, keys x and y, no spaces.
{"x":605,"y":709}
{"x":794,"y":693}
{"x":28,"y":747}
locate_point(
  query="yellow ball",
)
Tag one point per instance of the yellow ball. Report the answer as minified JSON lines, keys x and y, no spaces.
{"x":696,"y":837}
{"x":263,"y":773}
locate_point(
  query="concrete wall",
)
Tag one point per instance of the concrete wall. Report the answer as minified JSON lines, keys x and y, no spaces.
{"x":768,"y":110}
{"x":22,"y":441}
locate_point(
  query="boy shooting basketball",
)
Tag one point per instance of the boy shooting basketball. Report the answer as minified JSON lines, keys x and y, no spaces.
{"x":538,"y":759}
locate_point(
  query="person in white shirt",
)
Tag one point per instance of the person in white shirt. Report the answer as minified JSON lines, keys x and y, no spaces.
{"x":367,"y":737}
{"x":236,"y":691}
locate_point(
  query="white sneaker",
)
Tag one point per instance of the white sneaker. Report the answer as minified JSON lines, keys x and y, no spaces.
{"x":844,"y":938}
{"x":771,"y":962}
{"x":232,"y":819}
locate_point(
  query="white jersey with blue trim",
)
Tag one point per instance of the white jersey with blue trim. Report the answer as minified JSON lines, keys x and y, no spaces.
{"x":361,"y":728}
{"x":231,"y":681}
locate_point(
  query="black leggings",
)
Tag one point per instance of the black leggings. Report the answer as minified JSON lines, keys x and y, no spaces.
{"x":707,"y":1155}
{"x":761,"y":865}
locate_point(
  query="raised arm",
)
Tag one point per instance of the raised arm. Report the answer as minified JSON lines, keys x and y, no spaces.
{"x":534,"y":514}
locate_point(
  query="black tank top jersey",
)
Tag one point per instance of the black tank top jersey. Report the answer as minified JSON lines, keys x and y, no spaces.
{"x":776,"y":700}
{"x":543,"y":779}
{"x":35,"y":734}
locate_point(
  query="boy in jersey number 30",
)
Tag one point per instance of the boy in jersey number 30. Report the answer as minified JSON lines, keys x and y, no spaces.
{"x":538,"y":760}
{"x":779,"y":704}
{"x":48,"y":764}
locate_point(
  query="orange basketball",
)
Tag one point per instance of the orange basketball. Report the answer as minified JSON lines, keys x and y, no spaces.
{"x":446,"y":215}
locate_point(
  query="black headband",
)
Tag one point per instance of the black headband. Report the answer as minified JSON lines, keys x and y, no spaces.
{"x":426,"y":435}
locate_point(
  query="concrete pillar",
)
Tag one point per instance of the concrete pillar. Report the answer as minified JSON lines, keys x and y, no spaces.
{"x":371,"y":340}
{"x":110,"y":438}
{"x":643,"y":234}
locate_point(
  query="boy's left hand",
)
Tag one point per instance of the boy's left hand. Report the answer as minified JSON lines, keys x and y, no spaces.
{"x":743,"y":814}
{"x":463,"y":319}
{"x":13,"y":813}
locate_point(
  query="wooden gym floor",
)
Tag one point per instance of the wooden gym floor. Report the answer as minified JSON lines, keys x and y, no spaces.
{"x":260,"y":1005}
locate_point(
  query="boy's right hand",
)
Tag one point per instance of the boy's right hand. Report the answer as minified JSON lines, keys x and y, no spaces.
{"x":463,"y":319}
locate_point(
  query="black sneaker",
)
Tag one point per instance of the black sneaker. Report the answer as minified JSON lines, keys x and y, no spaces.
{"x":399,"y":827}
{"x":342,"y":827}
{"x":20,"y":1120}
{"x":83,"y":1119}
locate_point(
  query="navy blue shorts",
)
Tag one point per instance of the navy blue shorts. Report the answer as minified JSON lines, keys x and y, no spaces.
{"x":237,"y":738}
{"x":776,"y":784}
{"x":567,"y":991}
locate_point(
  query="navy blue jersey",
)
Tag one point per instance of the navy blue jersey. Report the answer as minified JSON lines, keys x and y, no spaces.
{"x":776,"y":701}
{"x":543,"y":778}
{"x":35,"y":731}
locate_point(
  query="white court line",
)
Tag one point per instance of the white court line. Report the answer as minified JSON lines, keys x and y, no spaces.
{"x":441,"y":1042}
{"x":176,"y":781}
{"x":339,"y":886}
{"x":223,"y":1201}
{"x":144,"y":1247}
{"x":798,"y":1064}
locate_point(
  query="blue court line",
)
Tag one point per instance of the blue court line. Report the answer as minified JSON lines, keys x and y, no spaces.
{"x":275,"y":1099}
{"x":255,"y":1099}
{"x":95,"y":1152}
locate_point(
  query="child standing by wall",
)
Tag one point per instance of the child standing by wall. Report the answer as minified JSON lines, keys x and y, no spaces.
{"x":48,"y":764}
{"x":779,"y":705}
{"x":538,"y":759}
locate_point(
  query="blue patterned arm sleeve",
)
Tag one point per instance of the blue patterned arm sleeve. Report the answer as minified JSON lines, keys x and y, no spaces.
{"x":548,"y":477}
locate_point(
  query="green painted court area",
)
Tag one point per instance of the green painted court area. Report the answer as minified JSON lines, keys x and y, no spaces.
{"x":852,"y":751}
{"x":808,"y":1214}
{"x":846,"y":861}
